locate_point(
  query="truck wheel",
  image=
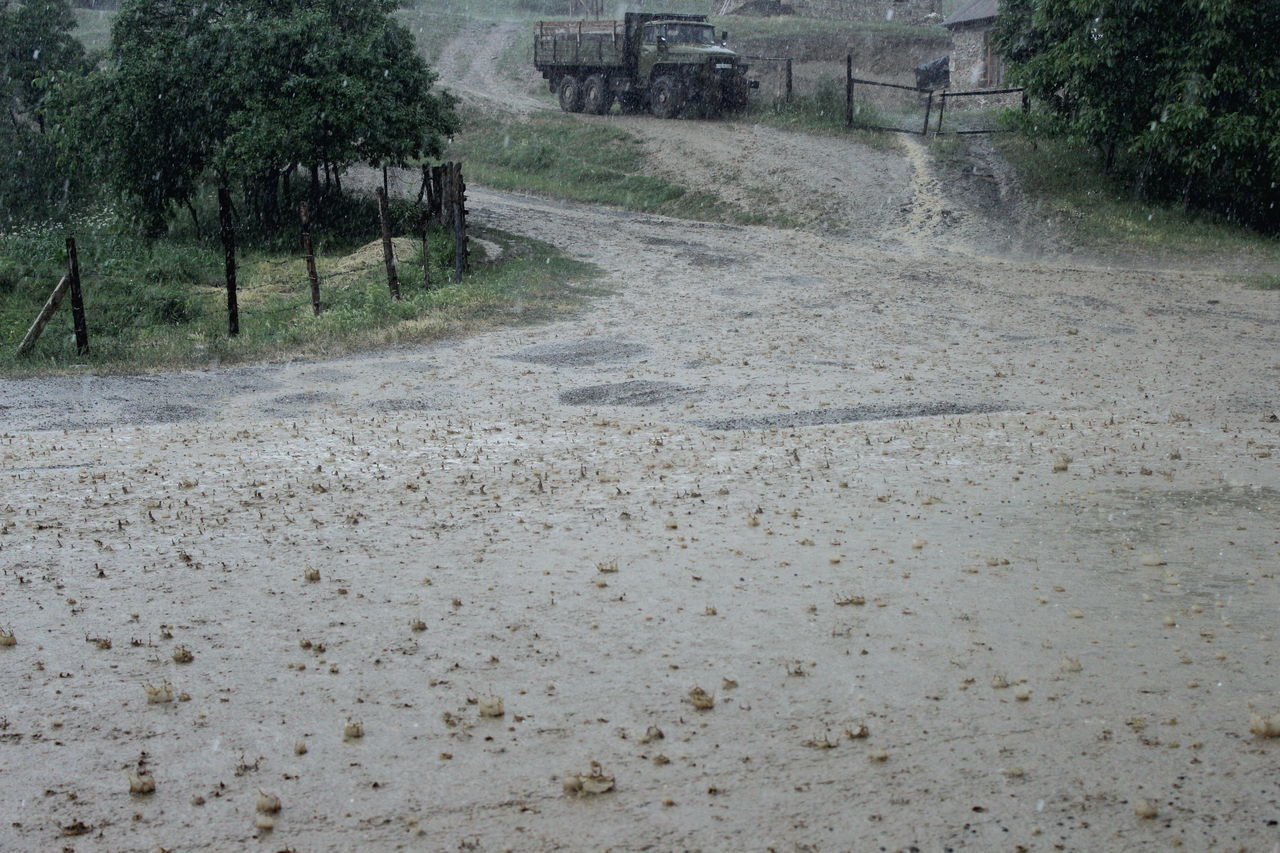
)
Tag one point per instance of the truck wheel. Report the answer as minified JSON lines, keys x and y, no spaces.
{"x":666,"y":97}
{"x":570,"y":95}
{"x":596,"y":97}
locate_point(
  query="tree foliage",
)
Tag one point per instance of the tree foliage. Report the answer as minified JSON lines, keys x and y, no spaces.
{"x":37,"y":49}
{"x":36,"y":46}
{"x":244,"y":92}
{"x":1181,"y":96}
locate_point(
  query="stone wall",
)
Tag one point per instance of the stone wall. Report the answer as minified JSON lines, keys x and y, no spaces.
{"x":969,"y":60}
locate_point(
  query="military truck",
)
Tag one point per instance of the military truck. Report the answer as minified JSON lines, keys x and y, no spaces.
{"x":664,"y":62}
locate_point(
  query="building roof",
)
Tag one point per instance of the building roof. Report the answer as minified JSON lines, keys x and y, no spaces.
{"x":973,"y":12}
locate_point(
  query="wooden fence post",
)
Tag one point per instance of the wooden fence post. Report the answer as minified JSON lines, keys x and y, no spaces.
{"x":388,"y":251}
{"x":942,"y":110}
{"x":459,"y":223}
{"x":789,"y":83}
{"x":42,"y":319}
{"x":848,"y":91}
{"x":229,"y":247}
{"x":77,"y":299}
{"x":309,"y":253}
{"x":928,"y":109}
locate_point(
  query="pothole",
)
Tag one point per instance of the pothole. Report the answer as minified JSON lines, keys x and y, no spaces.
{"x":582,"y":353}
{"x":851,"y":414}
{"x":637,"y":392}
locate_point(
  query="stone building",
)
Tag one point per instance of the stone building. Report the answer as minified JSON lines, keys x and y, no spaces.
{"x":974,"y":61}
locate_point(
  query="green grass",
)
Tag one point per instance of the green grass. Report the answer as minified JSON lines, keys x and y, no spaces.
{"x":162,"y":304}
{"x":571,"y":157}
{"x":1067,"y":179}
{"x":821,"y":113}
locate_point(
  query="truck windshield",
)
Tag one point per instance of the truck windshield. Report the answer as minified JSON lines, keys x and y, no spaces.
{"x":681,"y":33}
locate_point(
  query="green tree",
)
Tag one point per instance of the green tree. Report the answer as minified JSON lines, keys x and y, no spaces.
{"x":1181,"y":96}
{"x":36,"y":46}
{"x":243,"y":92}
{"x":37,"y":49}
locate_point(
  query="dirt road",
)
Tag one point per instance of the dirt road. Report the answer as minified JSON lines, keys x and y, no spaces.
{"x":965,"y":552}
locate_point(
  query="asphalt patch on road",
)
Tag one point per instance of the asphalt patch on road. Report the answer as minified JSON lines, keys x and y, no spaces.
{"x":404,"y":405}
{"x":637,"y":392}
{"x":583,"y":353}
{"x":850,"y":415}
{"x":164,"y":413}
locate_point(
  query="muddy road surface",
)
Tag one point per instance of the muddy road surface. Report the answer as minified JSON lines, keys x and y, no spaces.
{"x":826,"y":538}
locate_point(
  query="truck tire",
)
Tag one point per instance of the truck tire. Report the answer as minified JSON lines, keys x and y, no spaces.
{"x":596,"y":97}
{"x":570,"y":94}
{"x":666,"y":97}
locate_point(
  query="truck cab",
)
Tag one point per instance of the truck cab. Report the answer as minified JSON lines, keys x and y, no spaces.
{"x":681,"y":43}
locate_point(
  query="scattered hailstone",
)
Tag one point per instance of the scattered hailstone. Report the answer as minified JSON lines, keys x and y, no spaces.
{"x":1145,"y":809}
{"x":651,"y":734}
{"x":999,"y":682}
{"x":159,"y":694}
{"x":1152,"y":558}
{"x":7,"y":638}
{"x":1061,"y":463}
{"x":586,"y":784}
{"x":1075,"y":613}
{"x":608,"y":567}
{"x":311,"y":575}
{"x":1169,"y":621}
{"x":701,"y":699}
{"x":182,"y":655}
{"x":878,"y":755}
{"x":491,"y":706}
{"x":353,"y":730}
{"x":1265,"y":726}
{"x":917,"y":544}
{"x":417,"y":625}
{"x":1070,"y":664}
{"x":264,"y":822}
{"x":141,"y":782}
{"x":267,"y":803}
{"x":1022,"y":693}
{"x":300,"y":748}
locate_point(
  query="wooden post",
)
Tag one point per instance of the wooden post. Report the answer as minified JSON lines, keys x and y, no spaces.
{"x":789,"y":84}
{"x":426,"y":249}
{"x":437,"y":193}
{"x":388,"y":251}
{"x":309,"y":253}
{"x":77,"y":299}
{"x":928,"y":108}
{"x":942,"y":110}
{"x":42,"y":319}
{"x":848,"y":90}
{"x":459,"y":223}
{"x":229,"y":247}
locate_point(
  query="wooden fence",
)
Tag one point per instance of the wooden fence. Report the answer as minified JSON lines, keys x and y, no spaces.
{"x":442,"y":202}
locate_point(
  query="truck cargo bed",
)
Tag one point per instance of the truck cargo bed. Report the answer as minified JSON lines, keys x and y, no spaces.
{"x":599,"y":43}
